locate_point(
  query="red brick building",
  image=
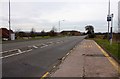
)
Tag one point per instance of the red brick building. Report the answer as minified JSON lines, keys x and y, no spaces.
{"x":4,"y":32}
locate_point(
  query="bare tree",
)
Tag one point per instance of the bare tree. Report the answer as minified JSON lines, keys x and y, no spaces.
{"x":32,"y":33}
{"x":42,"y":33}
{"x":53,"y":31}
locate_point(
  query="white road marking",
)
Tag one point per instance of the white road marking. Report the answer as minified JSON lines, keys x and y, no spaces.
{"x":50,"y":42}
{"x":40,"y":44}
{"x":28,"y":50}
{"x":63,"y":58}
{"x":67,"y":54}
{"x":8,"y":51}
{"x":1,"y":57}
{"x":11,"y":55}
{"x":44,"y":46}
{"x":54,"y":66}
{"x":20,"y":52}
{"x":3,"y":52}
{"x":35,"y":47}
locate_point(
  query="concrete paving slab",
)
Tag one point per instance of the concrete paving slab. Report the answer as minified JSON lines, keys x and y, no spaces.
{"x":86,"y":60}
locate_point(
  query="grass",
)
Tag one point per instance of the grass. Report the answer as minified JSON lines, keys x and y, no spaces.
{"x":112,"y":49}
{"x":30,"y":39}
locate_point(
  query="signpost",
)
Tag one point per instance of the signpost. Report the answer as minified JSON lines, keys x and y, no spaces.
{"x":111,"y":29}
{"x":110,"y":19}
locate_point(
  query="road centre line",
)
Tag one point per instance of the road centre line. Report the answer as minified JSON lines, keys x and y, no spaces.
{"x":8,"y":51}
{"x":11,"y":55}
{"x":111,"y":60}
{"x":16,"y":54}
{"x":35,"y":46}
{"x":28,"y":50}
{"x":20,"y":52}
{"x":17,"y":49}
{"x":44,"y":46}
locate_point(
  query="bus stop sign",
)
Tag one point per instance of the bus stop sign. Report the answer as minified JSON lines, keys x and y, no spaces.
{"x":109,"y":18}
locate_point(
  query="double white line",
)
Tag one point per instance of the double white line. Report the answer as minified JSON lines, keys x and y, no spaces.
{"x":19,"y":52}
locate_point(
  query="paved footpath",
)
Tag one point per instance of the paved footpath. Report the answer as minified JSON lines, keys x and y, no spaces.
{"x":87,"y":60}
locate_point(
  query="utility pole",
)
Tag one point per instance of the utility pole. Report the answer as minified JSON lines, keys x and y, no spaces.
{"x":108,"y":19}
{"x":111,"y":32}
{"x":9,"y":23}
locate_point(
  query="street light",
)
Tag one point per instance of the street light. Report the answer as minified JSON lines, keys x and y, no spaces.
{"x":108,"y":19}
{"x":9,"y":23}
{"x":60,"y":24}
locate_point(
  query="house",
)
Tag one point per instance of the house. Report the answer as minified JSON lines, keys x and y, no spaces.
{"x":71,"y":33}
{"x":4,"y":33}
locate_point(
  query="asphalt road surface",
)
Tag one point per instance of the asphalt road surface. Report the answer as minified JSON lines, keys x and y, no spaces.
{"x":34,"y":58}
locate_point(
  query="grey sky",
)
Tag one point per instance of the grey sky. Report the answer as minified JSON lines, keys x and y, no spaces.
{"x":44,"y":14}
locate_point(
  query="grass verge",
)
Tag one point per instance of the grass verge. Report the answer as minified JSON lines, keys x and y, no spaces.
{"x":111,"y":49}
{"x":30,"y":39}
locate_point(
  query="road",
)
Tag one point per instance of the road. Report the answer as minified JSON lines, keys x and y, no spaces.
{"x":34,"y":58}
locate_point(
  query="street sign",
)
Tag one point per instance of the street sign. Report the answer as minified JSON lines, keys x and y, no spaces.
{"x":108,"y":18}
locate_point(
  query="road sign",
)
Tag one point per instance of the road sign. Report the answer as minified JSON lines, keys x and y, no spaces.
{"x":108,"y":18}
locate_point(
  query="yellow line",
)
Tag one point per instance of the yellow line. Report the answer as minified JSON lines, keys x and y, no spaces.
{"x":114,"y":63}
{"x":44,"y":75}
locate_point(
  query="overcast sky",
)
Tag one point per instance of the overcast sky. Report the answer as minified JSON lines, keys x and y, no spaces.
{"x":44,"y":14}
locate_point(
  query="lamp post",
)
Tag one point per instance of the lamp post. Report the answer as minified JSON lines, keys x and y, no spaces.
{"x":9,"y":23}
{"x":60,"y":24}
{"x":108,"y":19}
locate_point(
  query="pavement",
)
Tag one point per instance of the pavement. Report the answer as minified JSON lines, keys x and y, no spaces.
{"x":88,"y":59}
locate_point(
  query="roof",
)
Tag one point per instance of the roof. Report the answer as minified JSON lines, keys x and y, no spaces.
{"x":4,"y":32}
